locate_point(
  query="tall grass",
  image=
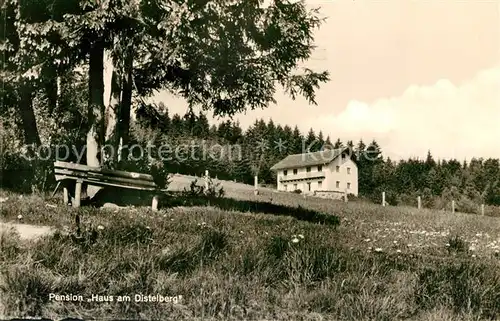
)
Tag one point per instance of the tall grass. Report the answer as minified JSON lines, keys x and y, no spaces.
{"x":230,"y":262}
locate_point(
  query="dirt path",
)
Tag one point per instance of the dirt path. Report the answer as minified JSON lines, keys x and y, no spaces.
{"x":26,"y":231}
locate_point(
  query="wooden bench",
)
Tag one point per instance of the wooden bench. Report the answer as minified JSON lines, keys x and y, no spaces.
{"x":66,"y":172}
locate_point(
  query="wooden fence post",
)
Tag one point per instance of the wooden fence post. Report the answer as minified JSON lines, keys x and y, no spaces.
{"x":206,"y":179}
{"x":154,"y":205}
{"x":345,"y":196}
{"x":453,"y":206}
{"x":78,"y":193}
{"x":383,"y":198}
{"x":419,"y":201}
{"x":65,"y":195}
{"x":482,"y":209}
{"x":256,"y":185}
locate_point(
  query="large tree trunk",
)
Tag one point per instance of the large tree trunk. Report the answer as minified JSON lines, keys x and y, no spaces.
{"x":51,"y":92}
{"x":126,"y":102}
{"x":58,"y":92}
{"x":112,"y":118}
{"x":27,"y":114}
{"x":95,"y":134}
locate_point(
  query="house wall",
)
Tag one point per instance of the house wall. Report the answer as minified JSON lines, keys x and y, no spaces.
{"x":329,"y":183}
{"x":343,"y":176}
{"x":302,"y":185}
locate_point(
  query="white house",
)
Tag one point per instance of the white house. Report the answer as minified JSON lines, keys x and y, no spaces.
{"x":330,"y":172}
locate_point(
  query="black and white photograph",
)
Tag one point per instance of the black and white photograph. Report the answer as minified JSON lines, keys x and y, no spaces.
{"x":254,"y":160}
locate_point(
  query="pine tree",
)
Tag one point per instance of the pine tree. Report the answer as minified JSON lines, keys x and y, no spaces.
{"x":311,"y":143}
{"x":373,"y":152}
{"x":321,"y":140}
{"x":287,"y":138}
{"x":224,"y":131}
{"x":176,"y":126}
{"x":166,"y":121}
{"x":338,"y":144}
{"x":429,"y":161}
{"x":189,"y":123}
{"x":360,"y":151}
{"x":350,"y":145}
{"x":213,"y":131}
{"x":236,"y":133}
{"x":297,"y":141}
{"x":243,"y":171}
{"x":202,"y":126}
{"x":328,"y":143}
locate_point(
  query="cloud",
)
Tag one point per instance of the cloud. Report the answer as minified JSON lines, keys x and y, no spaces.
{"x":461,"y":121}
{"x":452,"y":120}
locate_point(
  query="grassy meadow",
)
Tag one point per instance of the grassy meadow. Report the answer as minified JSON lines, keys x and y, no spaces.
{"x":272,"y":256}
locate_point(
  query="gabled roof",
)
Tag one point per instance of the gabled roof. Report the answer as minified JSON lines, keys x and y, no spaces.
{"x":309,"y":159}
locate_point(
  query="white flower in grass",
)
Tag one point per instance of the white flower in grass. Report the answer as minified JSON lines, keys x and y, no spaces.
{"x":295,"y":240}
{"x":19,"y":217}
{"x":100,"y":227}
{"x":301,"y":236}
{"x":398,"y":251}
{"x":378,"y":249}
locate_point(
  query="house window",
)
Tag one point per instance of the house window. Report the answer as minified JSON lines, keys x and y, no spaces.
{"x":309,"y":186}
{"x":348,"y":185}
{"x":285,"y":172}
{"x":295,"y":172}
{"x":337,"y":169}
{"x":308,"y":169}
{"x":320,"y":168}
{"x":320,"y":183}
{"x":348,"y":170}
{"x":294,"y":187}
{"x":337,"y":184}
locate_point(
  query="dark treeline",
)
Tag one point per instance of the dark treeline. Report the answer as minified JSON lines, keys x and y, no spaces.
{"x":231,"y":153}
{"x":436,"y":181}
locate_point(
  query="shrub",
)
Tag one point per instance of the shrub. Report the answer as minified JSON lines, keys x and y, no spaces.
{"x":457,"y":245}
{"x":26,"y":173}
{"x":278,"y":247}
{"x":213,"y":190}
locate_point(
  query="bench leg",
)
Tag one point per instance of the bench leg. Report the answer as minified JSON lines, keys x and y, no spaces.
{"x":78,"y":194}
{"x":57,"y":187}
{"x":154,"y":206}
{"x":65,"y":195}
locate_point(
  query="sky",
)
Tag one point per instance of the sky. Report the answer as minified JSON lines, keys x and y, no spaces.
{"x":415,"y":75}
